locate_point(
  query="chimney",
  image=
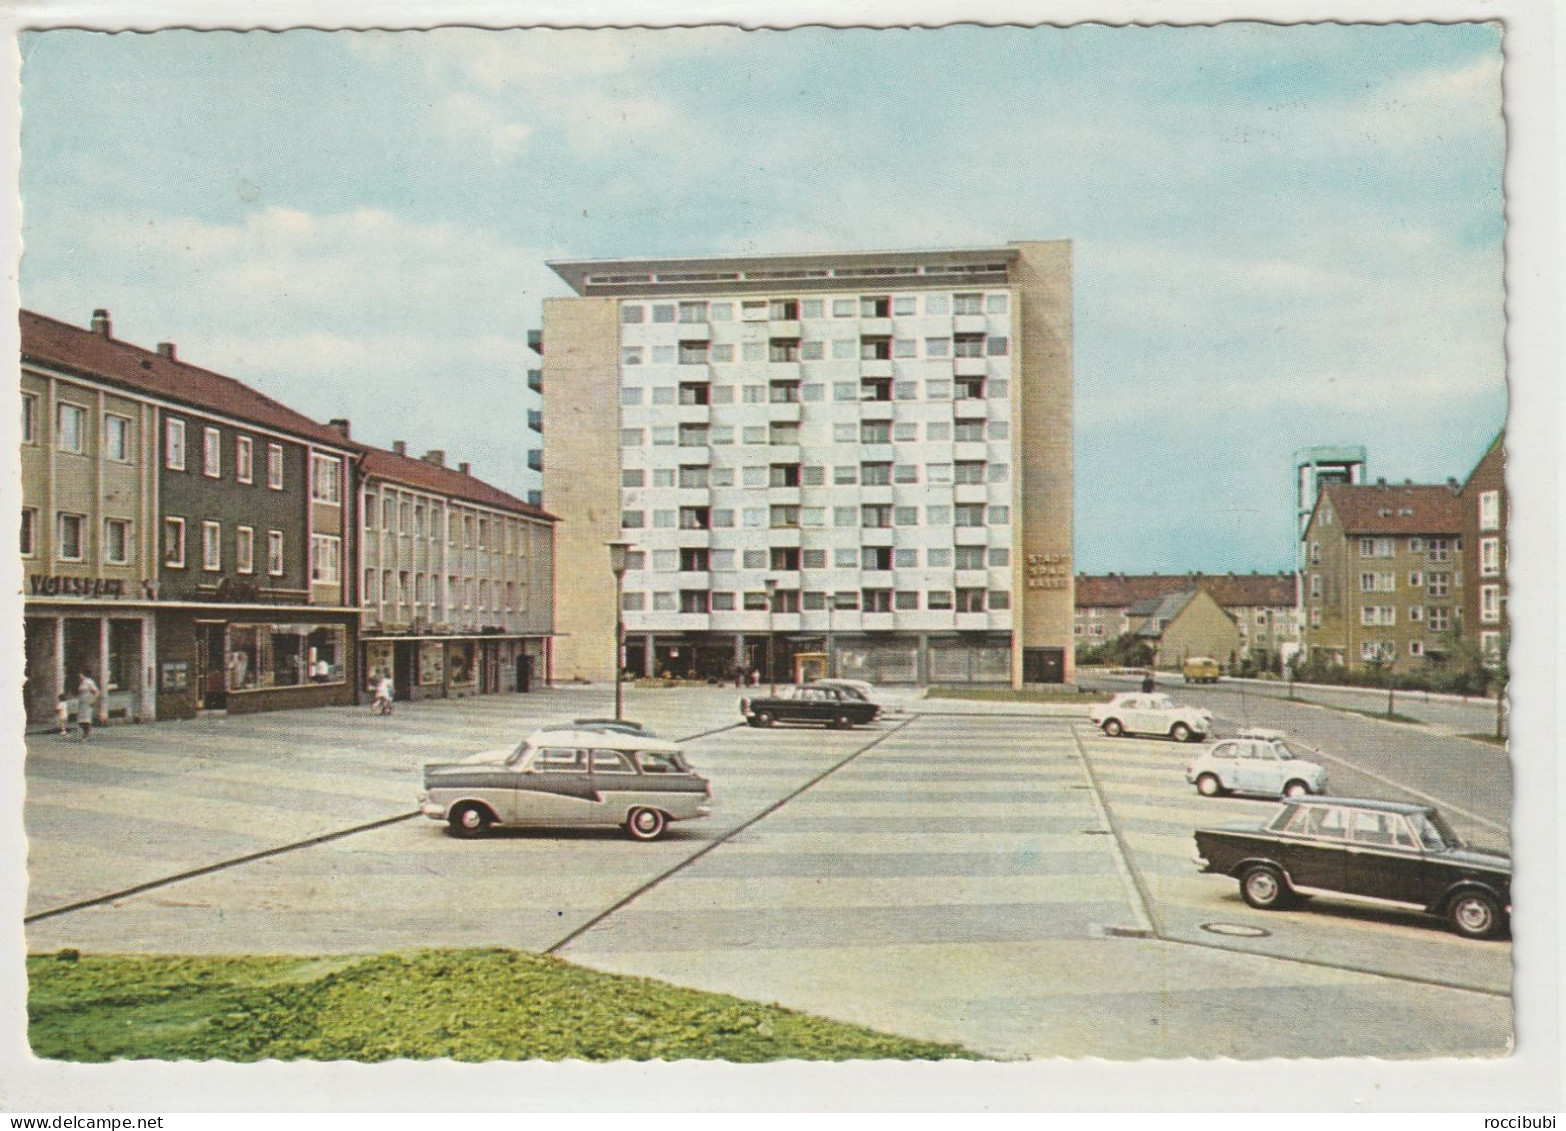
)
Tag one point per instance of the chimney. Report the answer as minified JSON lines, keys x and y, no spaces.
{"x":465,"y":468}
{"x":101,"y":323}
{"x":165,"y":349}
{"x":340,"y":423}
{"x":1408,"y":482}
{"x":1381,"y":482}
{"x":400,"y":447}
{"x":437,"y":456}
{"x":1451,"y":483}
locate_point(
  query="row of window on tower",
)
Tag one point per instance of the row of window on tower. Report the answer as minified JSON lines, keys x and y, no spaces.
{"x":815,"y":600}
{"x":785,"y":516}
{"x":692,"y":311}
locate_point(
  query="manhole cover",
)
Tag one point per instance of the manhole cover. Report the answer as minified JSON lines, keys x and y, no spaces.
{"x":1237,"y":930}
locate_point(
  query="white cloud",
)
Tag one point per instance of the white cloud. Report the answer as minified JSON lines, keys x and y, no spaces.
{"x":462,"y":118}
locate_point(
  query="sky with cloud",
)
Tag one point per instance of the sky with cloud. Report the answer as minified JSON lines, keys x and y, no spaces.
{"x":1282,"y":236}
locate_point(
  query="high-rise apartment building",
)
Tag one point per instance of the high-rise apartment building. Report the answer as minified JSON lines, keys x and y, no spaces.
{"x":861,"y":457}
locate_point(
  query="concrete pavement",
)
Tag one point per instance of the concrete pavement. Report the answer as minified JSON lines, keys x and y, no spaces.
{"x":963,"y":875}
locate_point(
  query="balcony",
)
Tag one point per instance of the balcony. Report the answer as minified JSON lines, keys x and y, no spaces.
{"x":870,"y":452}
{"x":969,"y":367}
{"x":878,"y":622}
{"x":691,"y":579}
{"x":783,"y":453}
{"x":785,"y":622}
{"x":784,"y":537}
{"x":693,"y":539}
{"x":695,"y":453}
{"x":875,"y":327}
{"x":786,"y":579}
{"x":973,"y":622}
{"x":784,"y":328}
{"x":694,"y":331}
{"x":972,"y":579}
{"x":875,"y":493}
{"x":876,"y":367}
{"x":970,"y":535}
{"x":970,"y":408}
{"x":970,"y":493}
{"x":783,"y":412}
{"x":970,"y":324}
{"x":878,"y":535}
{"x":692,"y":413}
{"x":783,"y":496}
{"x":783,"y":370}
{"x":876,"y":410}
{"x":964,"y":450}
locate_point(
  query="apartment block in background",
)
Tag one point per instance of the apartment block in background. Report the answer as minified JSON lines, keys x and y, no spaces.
{"x":456,"y":579}
{"x":859,"y":458}
{"x":1484,"y":515}
{"x":1383,"y":573}
{"x":1262,"y":606}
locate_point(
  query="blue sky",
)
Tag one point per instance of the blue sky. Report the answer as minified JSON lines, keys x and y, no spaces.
{"x":1283,"y":236}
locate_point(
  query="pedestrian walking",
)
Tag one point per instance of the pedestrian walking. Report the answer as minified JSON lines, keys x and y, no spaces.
{"x":383,"y":695}
{"x":1148,"y":683}
{"x":87,"y":695}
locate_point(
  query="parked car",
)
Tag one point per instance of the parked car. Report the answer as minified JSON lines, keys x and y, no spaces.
{"x":1132,"y":713}
{"x":890,"y":702}
{"x":578,"y":777}
{"x":1386,"y":852}
{"x":1200,"y":669}
{"x":1265,"y":765}
{"x":809,"y":703}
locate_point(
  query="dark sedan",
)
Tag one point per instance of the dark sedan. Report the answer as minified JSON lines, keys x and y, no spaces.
{"x":1386,"y":852}
{"x":831,"y":706}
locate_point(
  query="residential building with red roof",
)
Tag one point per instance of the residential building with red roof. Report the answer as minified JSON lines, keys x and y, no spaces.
{"x":184,"y":536}
{"x":1483,"y":503}
{"x":1383,"y":573}
{"x":1262,"y":606}
{"x":457,"y":579}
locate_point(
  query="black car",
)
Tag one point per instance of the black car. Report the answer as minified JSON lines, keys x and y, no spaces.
{"x":1383,"y":851}
{"x":831,"y":706}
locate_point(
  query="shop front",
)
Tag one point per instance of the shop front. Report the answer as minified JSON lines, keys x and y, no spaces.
{"x":453,"y":667}
{"x":112,"y":643}
{"x":255,"y":660}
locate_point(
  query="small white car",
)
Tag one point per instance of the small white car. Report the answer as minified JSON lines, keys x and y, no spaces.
{"x":1135,"y":713}
{"x":1257,"y":764}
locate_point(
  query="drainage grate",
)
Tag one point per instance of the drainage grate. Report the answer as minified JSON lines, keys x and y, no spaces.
{"x":1237,"y":930}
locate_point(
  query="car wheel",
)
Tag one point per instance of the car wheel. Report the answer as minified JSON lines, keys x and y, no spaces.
{"x":1180,"y":732}
{"x":1263,"y":887}
{"x":1113,"y":728}
{"x":645,"y":824}
{"x":764,"y":719}
{"x":843,"y":722}
{"x":1474,"y":915}
{"x":469,"y":821}
{"x":1296,"y":788}
{"x":1208,"y":785}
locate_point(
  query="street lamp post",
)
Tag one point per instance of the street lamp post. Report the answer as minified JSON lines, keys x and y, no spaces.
{"x":617,"y":554}
{"x":772,"y":671}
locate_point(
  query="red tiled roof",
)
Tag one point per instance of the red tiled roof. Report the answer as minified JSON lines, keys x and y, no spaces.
{"x":1408,"y":509}
{"x":427,"y":476}
{"x":71,"y":348}
{"x":1119,"y":590}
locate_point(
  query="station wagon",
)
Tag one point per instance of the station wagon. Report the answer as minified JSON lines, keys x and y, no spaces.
{"x":568,"y":779}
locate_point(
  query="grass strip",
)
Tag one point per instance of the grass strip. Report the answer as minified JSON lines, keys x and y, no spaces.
{"x":1017,"y":695}
{"x":462,"y":1004}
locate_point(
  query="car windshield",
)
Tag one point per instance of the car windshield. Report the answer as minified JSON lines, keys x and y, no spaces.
{"x":1434,"y":833}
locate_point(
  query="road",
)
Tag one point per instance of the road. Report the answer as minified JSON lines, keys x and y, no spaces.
{"x":1012,"y":881}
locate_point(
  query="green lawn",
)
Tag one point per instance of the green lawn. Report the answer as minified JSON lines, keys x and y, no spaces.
{"x":462,"y":1004}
